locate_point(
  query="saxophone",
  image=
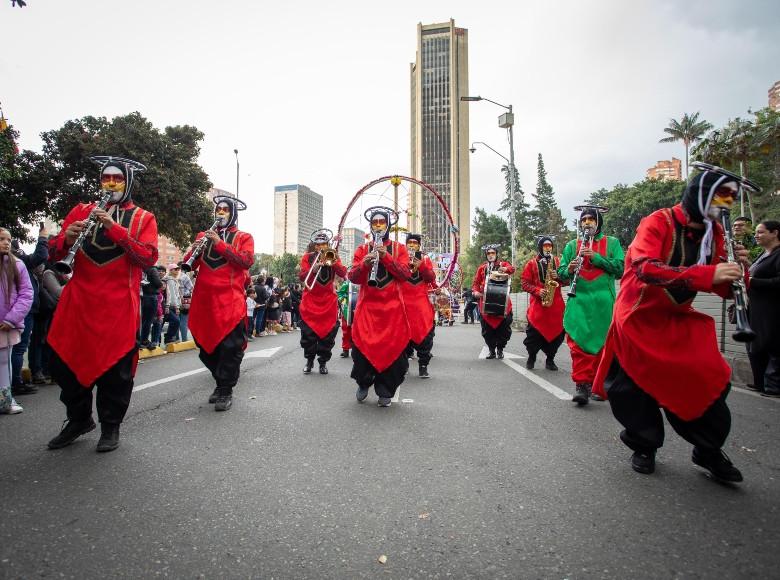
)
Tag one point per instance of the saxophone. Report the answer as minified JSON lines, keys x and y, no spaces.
{"x":549,"y":284}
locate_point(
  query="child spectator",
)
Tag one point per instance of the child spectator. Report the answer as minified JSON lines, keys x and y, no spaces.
{"x":250,"y":312}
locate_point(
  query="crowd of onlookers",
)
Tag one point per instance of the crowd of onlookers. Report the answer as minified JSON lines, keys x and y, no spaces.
{"x":272,"y":306}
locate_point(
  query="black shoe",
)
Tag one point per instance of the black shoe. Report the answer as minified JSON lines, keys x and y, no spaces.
{"x":529,"y":364}
{"x":361,"y":394}
{"x":452,"y":322}
{"x":308,"y":367}
{"x":344,"y":354}
{"x":752,"y":387}
{"x":491,"y":355}
{"x":213,"y":397}
{"x":500,"y":353}
{"x":323,"y":369}
{"x":109,"y":437}
{"x":384,"y":401}
{"x":643,"y":462}
{"x":581,"y":394}
{"x":223,"y":402}
{"x":23,"y":389}
{"x":424,"y":372}
{"x":71,"y":431}
{"x":550,"y":365}
{"x":773,"y":393}
{"x":595,"y":397}
{"x":718,"y":464}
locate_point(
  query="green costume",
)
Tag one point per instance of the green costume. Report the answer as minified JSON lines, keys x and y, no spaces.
{"x":343,"y":295}
{"x":589,"y":313}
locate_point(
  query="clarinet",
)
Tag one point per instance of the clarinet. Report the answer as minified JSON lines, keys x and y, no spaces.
{"x":586,"y":238}
{"x":743,"y":332}
{"x":198,"y":250}
{"x":372,"y":281}
{"x":65,"y":266}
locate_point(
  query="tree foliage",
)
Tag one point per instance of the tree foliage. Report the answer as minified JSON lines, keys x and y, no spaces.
{"x":688,"y":130}
{"x":487,"y":229}
{"x":521,"y":220}
{"x":629,"y":204}
{"x":285,"y":267}
{"x":546,"y":217}
{"x":262,"y":262}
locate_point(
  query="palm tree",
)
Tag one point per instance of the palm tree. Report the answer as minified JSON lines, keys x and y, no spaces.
{"x":688,"y":130}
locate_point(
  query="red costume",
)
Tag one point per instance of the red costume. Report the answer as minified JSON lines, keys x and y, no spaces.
{"x":419,"y":310}
{"x":479,"y":286}
{"x":320,"y":306}
{"x":219,"y":296}
{"x":97,"y":319}
{"x":547,"y":320}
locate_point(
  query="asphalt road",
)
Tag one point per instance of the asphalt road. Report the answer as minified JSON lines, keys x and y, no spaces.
{"x":478,"y":472}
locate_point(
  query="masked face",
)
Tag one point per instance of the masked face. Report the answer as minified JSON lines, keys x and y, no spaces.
{"x":722,"y":199}
{"x":547,"y":249}
{"x":321,"y":246}
{"x":112,"y":179}
{"x":491,"y":255}
{"x":378,"y":224}
{"x":588,"y":223}
{"x":222,"y":213}
{"x":413,"y":246}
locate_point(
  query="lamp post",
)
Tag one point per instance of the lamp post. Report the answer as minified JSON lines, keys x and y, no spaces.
{"x":505,"y":121}
{"x":236,"y":152}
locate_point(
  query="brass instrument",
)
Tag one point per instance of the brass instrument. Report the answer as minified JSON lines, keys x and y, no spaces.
{"x":549,"y":284}
{"x":327,"y":257}
{"x":743,"y":332}
{"x":587,"y":238}
{"x":199,"y":248}
{"x":416,"y":256}
{"x":65,"y":266}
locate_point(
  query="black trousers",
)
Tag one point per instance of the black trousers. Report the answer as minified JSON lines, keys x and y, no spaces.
{"x":534,"y":342}
{"x":148,"y":313}
{"x":423,"y":349}
{"x":639,"y":413}
{"x":225,"y":362}
{"x":114,"y":388}
{"x":497,"y":337}
{"x":386,"y":382}
{"x":313,"y":345}
{"x":765,"y":367}
{"x":468,"y":311}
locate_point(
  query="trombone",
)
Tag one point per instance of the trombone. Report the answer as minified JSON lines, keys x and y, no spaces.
{"x":325,"y":257}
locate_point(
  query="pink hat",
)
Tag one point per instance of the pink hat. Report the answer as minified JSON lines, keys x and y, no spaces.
{"x":173,"y":267}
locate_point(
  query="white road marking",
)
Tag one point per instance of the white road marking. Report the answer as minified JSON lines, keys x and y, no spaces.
{"x":264,"y":353}
{"x":546,"y":385}
{"x":407,"y":400}
{"x":486,"y":351}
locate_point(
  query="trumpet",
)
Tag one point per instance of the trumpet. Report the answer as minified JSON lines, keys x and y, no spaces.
{"x":587,"y":238}
{"x":743,"y":332}
{"x":198,"y":249}
{"x":327,"y":257}
{"x":65,"y":266}
{"x":416,"y":256}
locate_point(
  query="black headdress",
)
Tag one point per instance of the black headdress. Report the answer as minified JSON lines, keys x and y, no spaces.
{"x":414,"y":237}
{"x":235,"y":204}
{"x":128,"y":167}
{"x":540,"y":241}
{"x":390,"y":215}
{"x":595,"y":211}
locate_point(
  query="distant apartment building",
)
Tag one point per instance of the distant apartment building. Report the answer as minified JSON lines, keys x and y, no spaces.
{"x":297,"y":214}
{"x":167,"y":252}
{"x":440,"y":133}
{"x":774,"y":96}
{"x":351,"y":238}
{"x":666,"y":170}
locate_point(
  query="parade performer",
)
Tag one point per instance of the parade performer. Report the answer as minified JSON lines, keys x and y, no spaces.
{"x":319,"y":307}
{"x":663,"y":354}
{"x":545,"y":308}
{"x":444,"y":301}
{"x":222,"y":256}
{"x":496,"y":329}
{"x":94,"y":330}
{"x":347,"y":295}
{"x":590,"y":264}
{"x":380,"y":331}
{"x":419,"y":310}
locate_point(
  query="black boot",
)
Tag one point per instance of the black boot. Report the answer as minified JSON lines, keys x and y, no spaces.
{"x":717,"y":463}
{"x":344,"y":353}
{"x":550,"y":365}
{"x":643,"y":462}
{"x":492,"y":354}
{"x":109,"y":437}
{"x":581,"y":394}
{"x":309,"y":365}
{"x":71,"y":431}
{"x":224,"y":402}
{"x":213,"y":397}
{"x":529,"y":364}
{"x":323,"y":369}
{"x":424,"y":372}
{"x":499,"y":353}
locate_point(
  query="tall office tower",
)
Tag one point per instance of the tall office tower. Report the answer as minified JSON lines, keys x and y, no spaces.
{"x":351,"y":238}
{"x":440,"y":133}
{"x":297,"y":213}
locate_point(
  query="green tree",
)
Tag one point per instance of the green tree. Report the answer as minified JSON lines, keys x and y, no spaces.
{"x":262,"y":262}
{"x":173,"y":187}
{"x":546,"y":217}
{"x":688,"y":130}
{"x":521,"y":223}
{"x":487,"y":229}
{"x":285,"y":267}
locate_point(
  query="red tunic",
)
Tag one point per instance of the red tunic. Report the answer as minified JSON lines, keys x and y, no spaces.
{"x":547,"y":320}
{"x":97,"y":319}
{"x":479,"y":286}
{"x":667,"y":348}
{"x":320,"y":306}
{"x":419,"y":310}
{"x":219,"y":296}
{"x":380,"y":329}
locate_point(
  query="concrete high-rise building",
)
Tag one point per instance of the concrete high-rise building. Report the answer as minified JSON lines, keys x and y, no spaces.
{"x":440,"y":133}
{"x":167,"y":252}
{"x":774,"y":96}
{"x":297,"y":214}
{"x":666,"y":170}
{"x":351,"y":238}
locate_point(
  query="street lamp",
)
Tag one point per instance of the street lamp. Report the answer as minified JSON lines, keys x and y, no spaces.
{"x":236,"y":152}
{"x":505,"y":121}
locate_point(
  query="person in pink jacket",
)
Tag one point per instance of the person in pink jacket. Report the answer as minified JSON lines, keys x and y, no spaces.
{"x":16,"y":298}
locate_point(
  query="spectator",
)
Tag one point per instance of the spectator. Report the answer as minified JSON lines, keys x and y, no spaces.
{"x":764,"y":311}
{"x":273,"y":312}
{"x":469,"y":307}
{"x":250,"y":312}
{"x":31,"y":262}
{"x":159,"y":314}
{"x":16,"y":298}
{"x":185,"y":288}
{"x":296,"y":294}
{"x":286,"y":310}
{"x":150,"y":291}
{"x":741,"y":230}
{"x":172,"y":303}
{"x":261,"y":300}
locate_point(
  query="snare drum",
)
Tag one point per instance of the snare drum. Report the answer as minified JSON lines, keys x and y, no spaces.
{"x":496,"y":300}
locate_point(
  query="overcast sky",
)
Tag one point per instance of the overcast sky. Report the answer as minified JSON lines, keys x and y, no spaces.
{"x":318,"y":93}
